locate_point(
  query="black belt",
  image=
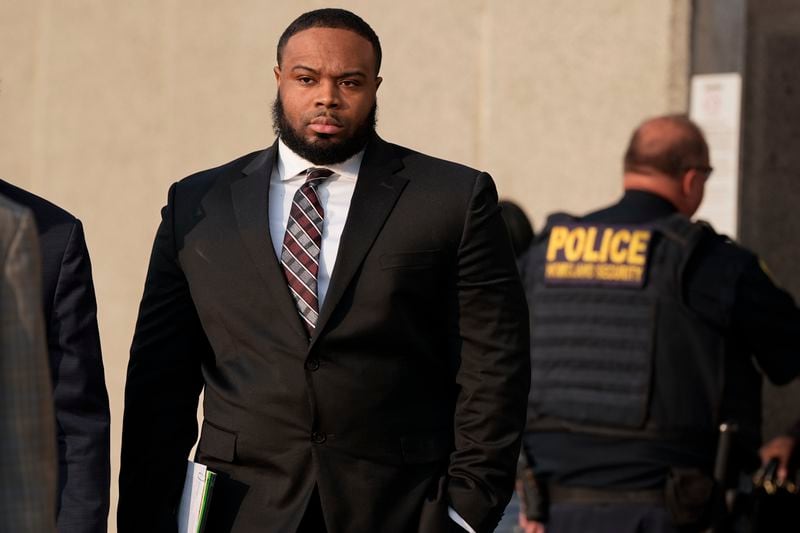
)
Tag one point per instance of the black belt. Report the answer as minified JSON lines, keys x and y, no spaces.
{"x":562,"y":494}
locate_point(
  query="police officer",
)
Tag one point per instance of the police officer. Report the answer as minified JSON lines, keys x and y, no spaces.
{"x":648,"y":331}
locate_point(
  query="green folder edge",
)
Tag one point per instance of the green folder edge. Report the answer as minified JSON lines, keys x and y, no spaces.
{"x":207,"y":487}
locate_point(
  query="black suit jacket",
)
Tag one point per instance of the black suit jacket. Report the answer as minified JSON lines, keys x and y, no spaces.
{"x":79,"y":389}
{"x":410,"y":396}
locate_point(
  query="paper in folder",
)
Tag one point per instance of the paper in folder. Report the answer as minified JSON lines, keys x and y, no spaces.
{"x":195,"y":499}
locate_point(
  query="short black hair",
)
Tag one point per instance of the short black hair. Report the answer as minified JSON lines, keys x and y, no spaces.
{"x":669,"y":144}
{"x":332,"y":18}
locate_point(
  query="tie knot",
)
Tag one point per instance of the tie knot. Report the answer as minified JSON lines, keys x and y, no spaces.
{"x":314,"y":176}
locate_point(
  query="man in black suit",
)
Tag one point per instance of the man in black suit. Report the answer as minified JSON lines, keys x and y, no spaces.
{"x":358,"y":326}
{"x":79,"y":389}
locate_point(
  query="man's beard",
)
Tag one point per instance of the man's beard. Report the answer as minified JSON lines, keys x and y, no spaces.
{"x":322,"y":151}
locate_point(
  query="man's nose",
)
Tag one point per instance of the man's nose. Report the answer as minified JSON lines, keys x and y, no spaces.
{"x":328,"y":94}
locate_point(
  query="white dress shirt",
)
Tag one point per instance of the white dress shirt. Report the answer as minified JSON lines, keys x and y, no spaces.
{"x":334,"y":195}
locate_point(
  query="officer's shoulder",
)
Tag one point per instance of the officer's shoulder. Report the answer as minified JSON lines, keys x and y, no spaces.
{"x":560,"y":217}
{"x":680,"y":228}
{"x":720,"y":248}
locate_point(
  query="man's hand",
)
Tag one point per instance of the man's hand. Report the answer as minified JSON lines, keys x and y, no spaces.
{"x":782,"y":449}
{"x":531,"y":500}
{"x":530,"y":526}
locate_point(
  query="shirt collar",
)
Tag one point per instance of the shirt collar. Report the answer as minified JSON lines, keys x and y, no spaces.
{"x":647,"y":204}
{"x":290,"y":164}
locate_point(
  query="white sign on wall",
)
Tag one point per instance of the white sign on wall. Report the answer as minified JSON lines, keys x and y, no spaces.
{"x":716,"y":102}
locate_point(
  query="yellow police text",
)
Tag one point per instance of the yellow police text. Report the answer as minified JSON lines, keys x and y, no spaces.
{"x":586,"y":244}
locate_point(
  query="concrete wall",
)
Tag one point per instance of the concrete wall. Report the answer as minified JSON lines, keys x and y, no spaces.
{"x":104,"y":103}
{"x":771,"y":164}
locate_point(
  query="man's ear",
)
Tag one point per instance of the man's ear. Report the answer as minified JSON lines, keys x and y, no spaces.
{"x":277,"y":71}
{"x":378,"y":81}
{"x":688,"y":182}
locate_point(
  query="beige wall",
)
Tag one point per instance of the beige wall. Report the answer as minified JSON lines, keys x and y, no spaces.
{"x":104,"y":103}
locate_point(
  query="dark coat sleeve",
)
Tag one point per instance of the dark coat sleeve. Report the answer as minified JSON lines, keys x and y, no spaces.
{"x":494,"y":373}
{"x":161,"y":392}
{"x":763,"y":318}
{"x":767,"y":320}
{"x":79,"y":392}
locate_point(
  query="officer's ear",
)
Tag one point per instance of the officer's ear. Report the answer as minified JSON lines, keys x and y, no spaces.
{"x":688,"y":182}
{"x":692,"y":190}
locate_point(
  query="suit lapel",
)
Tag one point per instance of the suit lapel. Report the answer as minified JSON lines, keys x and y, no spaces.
{"x":250,"y":198}
{"x":376,"y":193}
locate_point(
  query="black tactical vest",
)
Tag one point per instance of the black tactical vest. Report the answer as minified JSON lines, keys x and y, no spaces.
{"x":614,"y":348}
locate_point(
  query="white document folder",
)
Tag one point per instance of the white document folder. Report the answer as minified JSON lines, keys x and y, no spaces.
{"x":195,"y":498}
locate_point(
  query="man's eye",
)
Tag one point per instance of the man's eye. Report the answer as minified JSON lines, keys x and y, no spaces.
{"x":305,"y":80}
{"x":349,"y":83}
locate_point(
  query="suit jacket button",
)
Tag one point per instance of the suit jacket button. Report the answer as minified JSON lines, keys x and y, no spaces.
{"x":318,"y":437}
{"x":312,"y":364}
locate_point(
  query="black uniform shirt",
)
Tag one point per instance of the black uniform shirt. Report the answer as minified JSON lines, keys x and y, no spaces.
{"x":764,"y":321}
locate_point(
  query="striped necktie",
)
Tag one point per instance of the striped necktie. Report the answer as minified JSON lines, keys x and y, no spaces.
{"x":301,"y":246}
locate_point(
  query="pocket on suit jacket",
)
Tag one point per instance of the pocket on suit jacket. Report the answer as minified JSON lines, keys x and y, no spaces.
{"x":428,"y":448}
{"x":420,"y":259}
{"x":217,"y":442}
